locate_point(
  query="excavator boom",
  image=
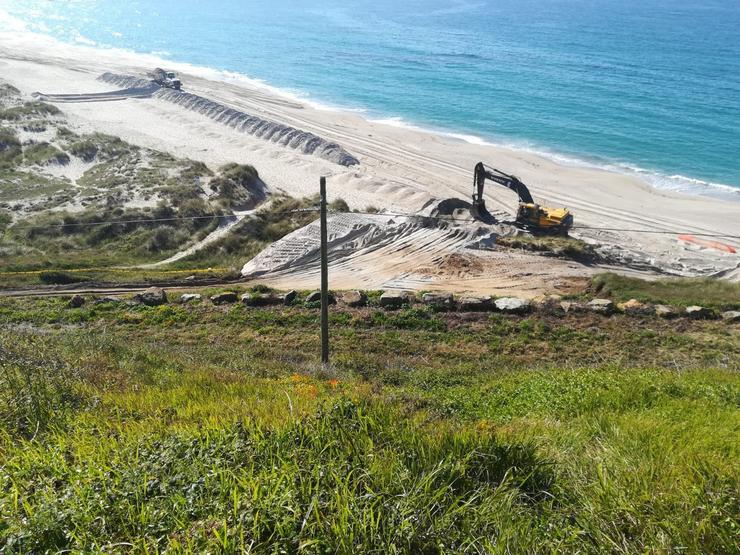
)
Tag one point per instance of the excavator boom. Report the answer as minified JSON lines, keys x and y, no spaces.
{"x":483,"y":172}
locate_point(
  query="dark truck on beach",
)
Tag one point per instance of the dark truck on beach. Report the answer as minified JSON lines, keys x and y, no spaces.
{"x":166,"y":79}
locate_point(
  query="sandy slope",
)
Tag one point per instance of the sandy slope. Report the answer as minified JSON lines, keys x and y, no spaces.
{"x":400,"y":170}
{"x":389,"y":252}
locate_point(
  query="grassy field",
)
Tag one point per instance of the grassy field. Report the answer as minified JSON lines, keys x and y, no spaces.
{"x":715,"y":293}
{"x":213,"y":429}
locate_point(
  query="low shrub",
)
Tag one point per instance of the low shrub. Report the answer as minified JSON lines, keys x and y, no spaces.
{"x":53,"y":277}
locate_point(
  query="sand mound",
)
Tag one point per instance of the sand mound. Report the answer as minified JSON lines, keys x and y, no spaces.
{"x":409,"y":252}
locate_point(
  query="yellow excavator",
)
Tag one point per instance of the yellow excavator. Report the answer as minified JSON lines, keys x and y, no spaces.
{"x":531,"y":216}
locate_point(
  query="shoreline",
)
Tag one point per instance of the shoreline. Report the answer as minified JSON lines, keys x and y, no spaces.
{"x":400,"y":169}
{"x":657,"y":179}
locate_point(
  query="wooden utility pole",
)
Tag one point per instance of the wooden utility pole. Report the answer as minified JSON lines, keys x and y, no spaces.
{"x":324,"y":278}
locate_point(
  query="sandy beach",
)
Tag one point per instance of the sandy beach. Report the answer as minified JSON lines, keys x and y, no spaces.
{"x":401,"y":169}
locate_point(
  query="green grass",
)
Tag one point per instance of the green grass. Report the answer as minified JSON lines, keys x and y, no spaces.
{"x":10,"y":148}
{"x":199,"y":428}
{"x":42,"y":245}
{"x":712,"y":293}
{"x":42,"y":154}
{"x":96,"y":146}
{"x":566,"y":247}
{"x":19,"y":184}
{"x":28,"y":110}
{"x":247,"y":238}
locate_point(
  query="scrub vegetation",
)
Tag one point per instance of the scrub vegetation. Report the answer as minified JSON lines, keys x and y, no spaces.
{"x":71,"y":201}
{"x":194,"y":428}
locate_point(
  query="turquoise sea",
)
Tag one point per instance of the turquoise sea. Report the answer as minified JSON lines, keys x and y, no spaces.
{"x":646,"y":86}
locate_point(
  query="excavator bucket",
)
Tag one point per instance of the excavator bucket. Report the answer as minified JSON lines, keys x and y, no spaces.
{"x":479,"y":212}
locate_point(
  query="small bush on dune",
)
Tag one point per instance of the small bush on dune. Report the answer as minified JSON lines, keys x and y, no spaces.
{"x":567,"y":247}
{"x":166,"y":238}
{"x":6,"y":89}
{"x":29,"y":109}
{"x":195,"y":170}
{"x":10,"y":147}
{"x":85,"y":150}
{"x":5,"y":219}
{"x":240,"y":173}
{"x":99,"y":145}
{"x":60,"y":278}
{"x":238,"y":187}
{"x":339,"y":205}
{"x":43,"y":153}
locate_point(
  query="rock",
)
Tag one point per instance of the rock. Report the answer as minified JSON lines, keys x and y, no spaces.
{"x":251,"y":299}
{"x":258,"y":299}
{"x":548,"y":302}
{"x":474,"y":304}
{"x":77,"y":301}
{"x":571,"y":306}
{"x":440,"y":301}
{"x":513,"y":305}
{"x":665,"y":311}
{"x":315,"y":297}
{"x":154,"y":296}
{"x":731,"y":316}
{"x":698,"y":312}
{"x":190,"y":297}
{"x":601,"y":306}
{"x":289,"y":298}
{"x":394,"y":299}
{"x":107,"y":299}
{"x":354,"y":299}
{"x":227,"y":297}
{"x":636,"y":308}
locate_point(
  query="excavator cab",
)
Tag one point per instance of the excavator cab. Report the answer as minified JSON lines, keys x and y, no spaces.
{"x":532,"y":216}
{"x":546,"y":220}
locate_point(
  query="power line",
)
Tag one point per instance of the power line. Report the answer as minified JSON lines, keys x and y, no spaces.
{"x":154,"y":220}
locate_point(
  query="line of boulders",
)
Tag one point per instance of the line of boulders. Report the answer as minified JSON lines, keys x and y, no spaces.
{"x":440,"y":301}
{"x":552,"y":303}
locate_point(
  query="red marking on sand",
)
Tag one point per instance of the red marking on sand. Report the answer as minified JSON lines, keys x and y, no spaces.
{"x":709,"y":244}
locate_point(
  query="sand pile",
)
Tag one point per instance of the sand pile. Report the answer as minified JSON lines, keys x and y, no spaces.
{"x":391,"y":252}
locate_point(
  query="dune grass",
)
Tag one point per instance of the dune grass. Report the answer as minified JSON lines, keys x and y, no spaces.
{"x":708,"y":292}
{"x":212,"y":429}
{"x":565,"y":247}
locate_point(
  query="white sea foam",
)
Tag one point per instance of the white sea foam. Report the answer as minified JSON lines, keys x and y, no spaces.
{"x":674,"y":183}
{"x":81,"y":39}
{"x":15,"y":32}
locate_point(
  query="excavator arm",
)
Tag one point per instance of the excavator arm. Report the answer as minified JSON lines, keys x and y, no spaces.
{"x":483,"y":172}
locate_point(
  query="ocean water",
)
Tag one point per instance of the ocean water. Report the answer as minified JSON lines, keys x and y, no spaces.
{"x":644,"y":86}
